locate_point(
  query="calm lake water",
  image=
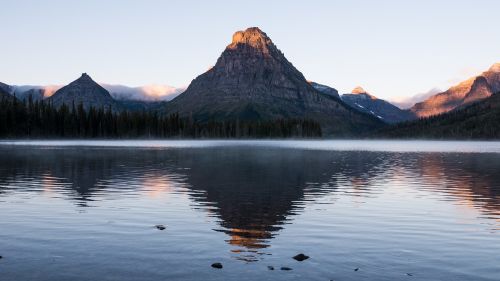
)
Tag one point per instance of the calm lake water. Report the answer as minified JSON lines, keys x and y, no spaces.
{"x":393,"y":210}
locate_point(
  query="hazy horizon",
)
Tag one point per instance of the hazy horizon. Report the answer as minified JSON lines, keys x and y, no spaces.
{"x":341,"y":45}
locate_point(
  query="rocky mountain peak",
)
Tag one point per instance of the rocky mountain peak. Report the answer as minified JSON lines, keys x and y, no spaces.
{"x":251,"y":61}
{"x":495,"y":67}
{"x":253,"y":41}
{"x":85,"y":78}
{"x":252,"y":36}
{"x":358,"y":90}
{"x":83,"y":90}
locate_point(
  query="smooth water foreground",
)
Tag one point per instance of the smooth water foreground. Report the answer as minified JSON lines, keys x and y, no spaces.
{"x":362,"y":210}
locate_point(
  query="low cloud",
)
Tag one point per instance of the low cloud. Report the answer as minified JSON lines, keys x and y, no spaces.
{"x":143,"y":93}
{"x":47,"y":90}
{"x":408,"y":102}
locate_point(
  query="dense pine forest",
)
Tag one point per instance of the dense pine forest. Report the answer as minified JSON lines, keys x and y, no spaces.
{"x":39,"y":119}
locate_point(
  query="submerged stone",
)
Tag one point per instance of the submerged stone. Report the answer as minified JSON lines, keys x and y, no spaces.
{"x":217,"y":265}
{"x":285,"y":268}
{"x":270,"y":267}
{"x":300,"y":257}
{"x":160,"y":227}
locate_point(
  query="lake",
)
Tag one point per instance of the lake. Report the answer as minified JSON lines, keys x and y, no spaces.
{"x":362,"y":210}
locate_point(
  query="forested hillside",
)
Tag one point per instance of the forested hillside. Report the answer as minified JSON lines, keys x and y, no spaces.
{"x":478,"y":121}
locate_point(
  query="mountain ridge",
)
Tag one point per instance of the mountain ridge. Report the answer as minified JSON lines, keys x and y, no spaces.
{"x":464,"y":93}
{"x":479,"y":120}
{"x":363,"y":101}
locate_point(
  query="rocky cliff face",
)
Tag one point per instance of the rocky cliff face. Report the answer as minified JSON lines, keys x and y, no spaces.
{"x":465,"y":93}
{"x":325,"y":89}
{"x":252,"y":79}
{"x":385,"y":111}
{"x":85,"y":91}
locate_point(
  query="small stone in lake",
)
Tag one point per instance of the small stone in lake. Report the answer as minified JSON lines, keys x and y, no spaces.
{"x":409,"y":274}
{"x":217,"y":265}
{"x":356,"y":269}
{"x":1,"y":257}
{"x":285,"y":268}
{"x":160,"y":226}
{"x":270,"y":267}
{"x":300,"y":257}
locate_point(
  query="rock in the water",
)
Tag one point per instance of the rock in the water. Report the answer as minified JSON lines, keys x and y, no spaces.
{"x":356,"y":269}
{"x":270,"y":267}
{"x":409,"y":274}
{"x":217,"y":265}
{"x":1,"y":257}
{"x":285,"y":268}
{"x":160,"y":227}
{"x":300,"y":257}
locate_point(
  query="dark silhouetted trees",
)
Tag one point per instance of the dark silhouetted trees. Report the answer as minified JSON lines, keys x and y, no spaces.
{"x":477,"y":121}
{"x":40,"y":119}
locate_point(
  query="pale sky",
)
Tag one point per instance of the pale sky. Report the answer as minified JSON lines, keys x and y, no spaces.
{"x":392,"y":49}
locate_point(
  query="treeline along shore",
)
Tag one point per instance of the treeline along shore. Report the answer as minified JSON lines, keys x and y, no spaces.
{"x":40,"y":119}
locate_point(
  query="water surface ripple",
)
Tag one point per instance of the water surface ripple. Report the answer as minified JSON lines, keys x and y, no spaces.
{"x":393,"y":210}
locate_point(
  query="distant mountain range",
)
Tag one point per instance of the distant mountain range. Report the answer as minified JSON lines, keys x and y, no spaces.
{"x":465,"y":93}
{"x":253,"y":80}
{"x":480,"y":120}
{"x":147,"y":93}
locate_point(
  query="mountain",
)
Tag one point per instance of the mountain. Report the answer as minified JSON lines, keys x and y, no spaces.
{"x":465,"y":93}
{"x":139,"y":105}
{"x":5,"y":89}
{"x":325,"y":89}
{"x":385,"y":111}
{"x":252,"y":80}
{"x":83,"y":90}
{"x":35,"y":93}
{"x":481,"y":120}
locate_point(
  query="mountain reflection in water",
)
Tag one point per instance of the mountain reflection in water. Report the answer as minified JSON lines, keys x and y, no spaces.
{"x":253,"y":192}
